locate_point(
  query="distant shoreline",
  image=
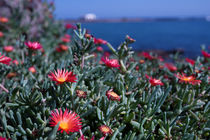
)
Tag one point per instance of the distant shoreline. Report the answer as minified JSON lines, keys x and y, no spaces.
{"x":132,"y":20}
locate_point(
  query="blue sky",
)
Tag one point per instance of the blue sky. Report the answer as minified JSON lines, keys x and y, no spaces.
{"x":132,"y":8}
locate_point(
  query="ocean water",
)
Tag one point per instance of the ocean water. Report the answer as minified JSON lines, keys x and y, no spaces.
{"x":158,"y":35}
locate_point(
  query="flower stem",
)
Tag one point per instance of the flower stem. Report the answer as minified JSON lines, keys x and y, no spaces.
{"x":71,"y":95}
{"x":123,"y":66}
{"x":2,"y":87}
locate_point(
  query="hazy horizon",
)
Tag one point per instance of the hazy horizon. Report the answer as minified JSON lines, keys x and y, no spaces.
{"x":67,"y":9}
{"x":142,"y":17}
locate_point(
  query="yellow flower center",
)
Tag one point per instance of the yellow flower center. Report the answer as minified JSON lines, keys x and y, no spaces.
{"x":64,"y":125}
{"x":105,"y":129}
{"x":113,"y":94}
{"x":61,"y":79}
{"x":188,"y":78}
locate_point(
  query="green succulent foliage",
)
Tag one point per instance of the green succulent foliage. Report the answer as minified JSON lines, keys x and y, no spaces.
{"x":173,"y":111}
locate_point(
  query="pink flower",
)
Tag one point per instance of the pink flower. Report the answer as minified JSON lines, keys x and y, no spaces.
{"x":99,"y":48}
{"x":1,"y":34}
{"x":131,"y":40}
{"x":32,"y":69}
{"x":160,"y":58}
{"x":62,"y":48}
{"x":192,"y":62}
{"x":99,"y":41}
{"x":153,"y":81}
{"x":112,"y":63}
{"x":102,"y":138}
{"x":70,"y":26}
{"x":147,"y":55}
{"x":61,"y":76}
{"x":188,"y":79}
{"x":170,"y":66}
{"x":2,"y":138}
{"x":8,"y":48}
{"x":106,"y":54}
{"x":15,"y":62}
{"x":137,"y":68}
{"x":88,"y":36}
{"x":205,"y":54}
{"x":105,"y":130}
{"x":66,"y":38}
{"x":69,"y":121}
{"x":33,"y":45}
{"x":4,"y":19}
{"x":4,"y":59}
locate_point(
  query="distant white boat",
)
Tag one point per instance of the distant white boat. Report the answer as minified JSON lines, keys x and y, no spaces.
{"x":208,"y":18}
{"x":90,"y":17}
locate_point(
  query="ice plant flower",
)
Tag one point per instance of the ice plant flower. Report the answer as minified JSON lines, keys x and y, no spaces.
{"x":69,"y":121}
{"x":205,"y":54}
{"x":137,"y":68}
{"x":8,"y":48}
{"x":32,"y":69}
{"x":33,"y":45}
{"x":66,"y":38}
{"x":129,"y":39}
{"x":62,"y":48}
{"x":99,"y":48}
{"x":70,"y":26}
{"x":102,"y":138}
{"x":15,"y":62}
{"x":153,"y":81}
{"x":1,"y":34}
{"x":61,"y":76}
{"x":2,"y":138}
{"x":112,"y":63}
{"x":106,"y":54}
{"x":4,"y":59}
{"x":160,"y":58}
{"x":81,"y":94}
{"x":141,"y":61}
{"x":170,"y":66}
{"x":147,"y":55}
{"x":88,"y":36}
{"x":111,"y":95}
{"x":187,"y":79}
{"x":99,"y":41}
{"x":11,"y":75}
{"x":105,"y":130}
{"x":192,"y":62}
{"x":4,"y":19}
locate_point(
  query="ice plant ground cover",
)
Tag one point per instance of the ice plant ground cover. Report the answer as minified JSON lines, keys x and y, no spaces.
{"x":57,"y":86}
